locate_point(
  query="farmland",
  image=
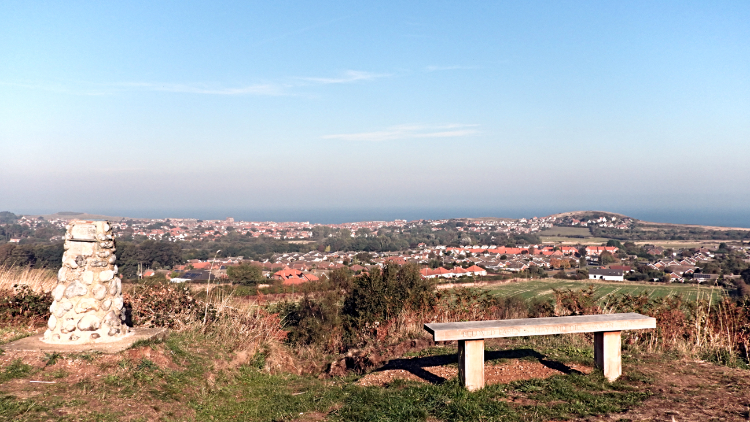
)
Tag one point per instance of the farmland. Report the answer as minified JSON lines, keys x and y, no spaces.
{"x":572,"y":235}
{"x":543,"y":289}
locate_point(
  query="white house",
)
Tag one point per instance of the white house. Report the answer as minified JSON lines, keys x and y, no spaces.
{"x":606,"y":274}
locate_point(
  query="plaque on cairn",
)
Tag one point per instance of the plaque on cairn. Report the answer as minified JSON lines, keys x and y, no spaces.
{"x":87,"y":306}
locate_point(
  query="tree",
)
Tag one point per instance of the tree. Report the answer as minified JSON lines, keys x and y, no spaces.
{"x":382,"y":294}
{"x":606,"y":258}
{"x":245,"y":274}
{"x":615,"y":243}
{"x":341,"y":278}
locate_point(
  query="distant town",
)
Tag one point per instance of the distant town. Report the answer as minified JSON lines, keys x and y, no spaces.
{"x":560,"y":246}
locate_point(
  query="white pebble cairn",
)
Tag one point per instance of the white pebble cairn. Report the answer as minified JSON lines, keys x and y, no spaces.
{"x":87,"y":304}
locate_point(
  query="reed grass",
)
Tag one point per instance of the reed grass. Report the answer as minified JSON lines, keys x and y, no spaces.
{"x":38,"y":280}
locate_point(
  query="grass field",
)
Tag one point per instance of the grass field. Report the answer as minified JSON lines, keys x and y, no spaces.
{"x":542,"y":289}
{"x":566,"y":231}
{"x":569,"y":235}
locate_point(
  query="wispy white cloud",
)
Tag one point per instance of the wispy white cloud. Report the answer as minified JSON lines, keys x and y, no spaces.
{"x":286,"y":86}
{"x":59,"y":88}
{"x":257,"y":89}
{"x":439,"y":68}
{"x":409,"y":132}
{"x":347,"y":77}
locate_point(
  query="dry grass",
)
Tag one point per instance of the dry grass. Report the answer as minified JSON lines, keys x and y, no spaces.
{"x":38,"y":280}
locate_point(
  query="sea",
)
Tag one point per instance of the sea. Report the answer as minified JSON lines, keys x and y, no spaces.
{"x":711,"y":217}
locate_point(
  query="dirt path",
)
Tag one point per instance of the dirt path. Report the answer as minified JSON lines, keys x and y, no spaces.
{"x":684,"y":391}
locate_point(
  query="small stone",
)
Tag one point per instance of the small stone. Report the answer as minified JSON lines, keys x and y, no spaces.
{"x":58,"y":292}
{"x":55,"y":337}
{"x":113,"y":331}
{"x":115,"y":287}
{"x":88,"y":323}
{"x":75,"y":289}
{"x":81,"y":261}
{"x":57,"y":310}
{"x":112,"y":259}
{"x":87,"y":249}
{"x":61,"y":274}
{"x":74,"y":337}
{"x":106,"y":227}
{"x":106,"y":275}
{"x":111,"y":319}
{"x":70,"y":325}
{"x":88,"y":277}
{"x":99,"y":292}
{"x":67,"y":305}
{"x":95,"y":336}
{"x":106,"y":304}
{"x":86,"y":305}
{"x":52,"y":323}
{"x":117,"y":303}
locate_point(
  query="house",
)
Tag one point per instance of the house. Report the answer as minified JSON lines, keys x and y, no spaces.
{"x":703,"y":278}
{"x":291,"y":276}
{"x":356,"y":268}
{"x":516,"y":266}
{"x":396,"y":260}
{"x":598,"y":250}
{"x":439,"y":272}
{"x":195,"y":275}
{"x":606,"y":274}
{"x":476,"y":270}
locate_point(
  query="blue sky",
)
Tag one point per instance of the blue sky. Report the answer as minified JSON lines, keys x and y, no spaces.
{"x":149,"y":107}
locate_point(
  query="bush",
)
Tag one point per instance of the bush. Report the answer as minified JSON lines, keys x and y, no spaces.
{"x":382,"y":294}
{"x":24,"y":305}
{"x":576,"y":302}
{"x":314,"y":322}
{"x":156,"y":303}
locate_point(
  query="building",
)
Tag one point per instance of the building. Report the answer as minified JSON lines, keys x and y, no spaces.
{"x":606,"y":274}
{"x":291,"y":276}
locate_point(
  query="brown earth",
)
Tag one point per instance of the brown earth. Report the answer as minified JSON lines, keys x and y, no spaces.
{"x":685,"y":391}
{"x":435,"y":369}
{"x":75,"y":375}
{"x":681,"y":390}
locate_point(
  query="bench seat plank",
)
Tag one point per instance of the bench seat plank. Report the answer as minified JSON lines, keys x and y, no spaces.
{"x":475,"y":330}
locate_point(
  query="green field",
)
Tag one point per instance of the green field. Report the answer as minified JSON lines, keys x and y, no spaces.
{"x":572,"y":235}
{"x":543,"y":289}
{"x":566,"y":231}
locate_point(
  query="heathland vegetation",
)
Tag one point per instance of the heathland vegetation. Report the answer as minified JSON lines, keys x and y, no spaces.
{"x":337,"y":353}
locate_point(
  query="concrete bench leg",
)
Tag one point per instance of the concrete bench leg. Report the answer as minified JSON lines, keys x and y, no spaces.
{"x":608,"y":354}
{"x":471,"y":364}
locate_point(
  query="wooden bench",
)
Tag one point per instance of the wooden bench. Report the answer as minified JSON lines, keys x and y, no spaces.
{"x":471,"y":335}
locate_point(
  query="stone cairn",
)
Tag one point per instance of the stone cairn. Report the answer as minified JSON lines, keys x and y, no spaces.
{"x":87,"y":303}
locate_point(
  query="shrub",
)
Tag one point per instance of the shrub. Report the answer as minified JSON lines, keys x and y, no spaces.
{"x":382,"y":294}
{"x":576,"y":302}
{"x":24,"y":305}
{"x":157,"y":303}
{"x":314,"y":322}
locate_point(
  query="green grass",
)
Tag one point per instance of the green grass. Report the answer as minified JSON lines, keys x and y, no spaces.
{"x":543,"y":289}
{"x":251,"y":394}
{"x":566,"y":232}
{"x":256,"y":396}
{"x":573,"y":240}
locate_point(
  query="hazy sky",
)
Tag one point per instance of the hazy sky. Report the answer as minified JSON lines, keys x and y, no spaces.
{"x":129,"y":106}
